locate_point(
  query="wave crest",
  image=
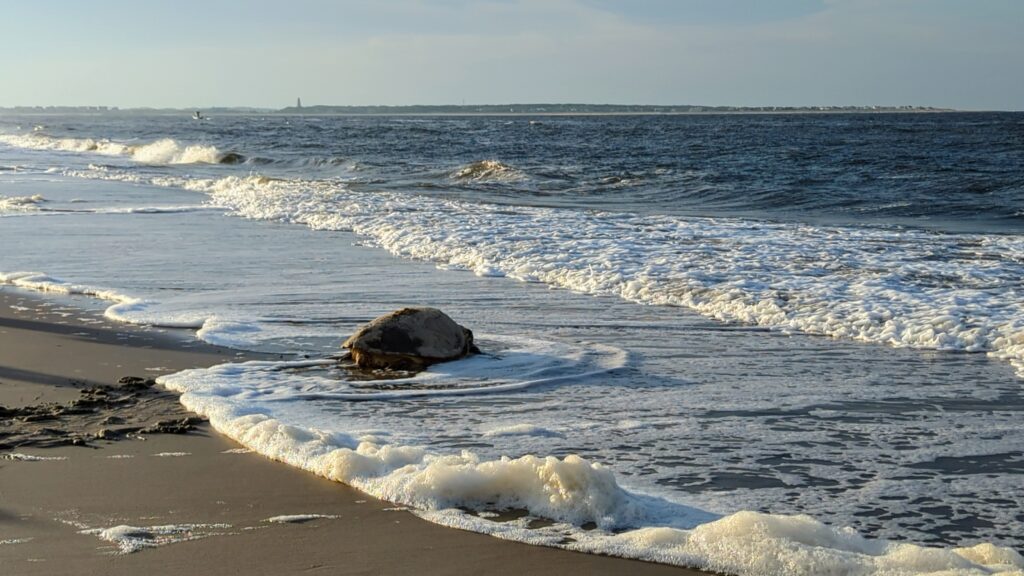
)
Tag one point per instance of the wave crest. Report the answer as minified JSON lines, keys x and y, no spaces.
{"x":836,"y":282}
{"x":21,"y":203}
{"x":487,"y":171}
{"x":162,"y":151}
{"x":169,"y":151}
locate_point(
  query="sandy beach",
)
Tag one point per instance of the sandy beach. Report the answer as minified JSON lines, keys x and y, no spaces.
{"x":205,"y":506}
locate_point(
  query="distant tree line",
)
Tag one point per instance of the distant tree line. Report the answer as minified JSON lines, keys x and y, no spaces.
{"x":475,"y":109}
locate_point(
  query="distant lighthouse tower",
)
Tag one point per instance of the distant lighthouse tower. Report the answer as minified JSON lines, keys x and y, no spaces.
{"x":298,"y":102}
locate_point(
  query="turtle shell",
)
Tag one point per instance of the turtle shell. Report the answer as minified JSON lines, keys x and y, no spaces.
{"x":418,"y":336}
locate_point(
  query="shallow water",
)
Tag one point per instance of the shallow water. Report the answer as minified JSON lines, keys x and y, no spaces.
{"x":903,"y":443}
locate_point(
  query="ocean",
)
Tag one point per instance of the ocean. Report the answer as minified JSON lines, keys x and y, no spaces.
{"x":726,"y":341}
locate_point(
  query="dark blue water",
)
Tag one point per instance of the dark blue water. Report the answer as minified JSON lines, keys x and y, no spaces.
{"x":953,"y":172}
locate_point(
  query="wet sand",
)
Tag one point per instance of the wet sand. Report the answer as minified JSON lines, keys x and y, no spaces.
{"x":138,"y":463}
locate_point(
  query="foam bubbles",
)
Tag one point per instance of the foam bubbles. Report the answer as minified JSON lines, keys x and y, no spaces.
{"x":130,"y":539}
{"x":764,"y":544}
{"x":572,"y":491}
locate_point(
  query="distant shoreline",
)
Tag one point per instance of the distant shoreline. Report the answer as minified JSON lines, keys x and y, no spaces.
{"x":542,"y":110}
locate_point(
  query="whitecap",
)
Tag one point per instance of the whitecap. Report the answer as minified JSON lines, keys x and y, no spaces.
{"x":487,"y":171}
{"x":162,"y":151}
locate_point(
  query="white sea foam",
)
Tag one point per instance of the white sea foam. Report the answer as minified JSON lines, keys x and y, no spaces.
{"x":572,"y":491}
{"x":163,"y":151}
{"x":152,"y":209}
{"x":228,"y":334}
{"x":129,"y":539}
{"x":131,"y":310}
{"x":897,"y":287}
{"x":36,"y":140}
{"x":20,"y":204}
{"x":32,"y":457}
{"x":168,"y":151}
{"x":487,"y":171}
{"x":298,"y":518}
{"x":520,"y":430}
{"x":126,"y":308}
{"x":43,"y":283}
{"x":751,"y":543}
{"x":512,"y":364}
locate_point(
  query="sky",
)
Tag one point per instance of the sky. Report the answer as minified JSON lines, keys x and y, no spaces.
{"x":966,"y":54}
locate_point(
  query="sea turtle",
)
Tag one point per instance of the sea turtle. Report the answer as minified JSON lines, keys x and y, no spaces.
{"x":409,"y":339}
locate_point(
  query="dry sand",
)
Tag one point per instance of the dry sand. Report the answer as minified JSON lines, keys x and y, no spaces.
{"x":50,"y":354}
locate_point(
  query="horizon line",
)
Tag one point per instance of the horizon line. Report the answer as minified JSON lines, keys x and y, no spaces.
{"x":523,"y":107}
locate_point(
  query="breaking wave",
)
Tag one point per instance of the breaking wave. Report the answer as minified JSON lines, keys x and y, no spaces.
{"x":902,"y":288}
{"x":20,"y":204}
{"x":487,"y":171}
{"x":162,"y":151}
